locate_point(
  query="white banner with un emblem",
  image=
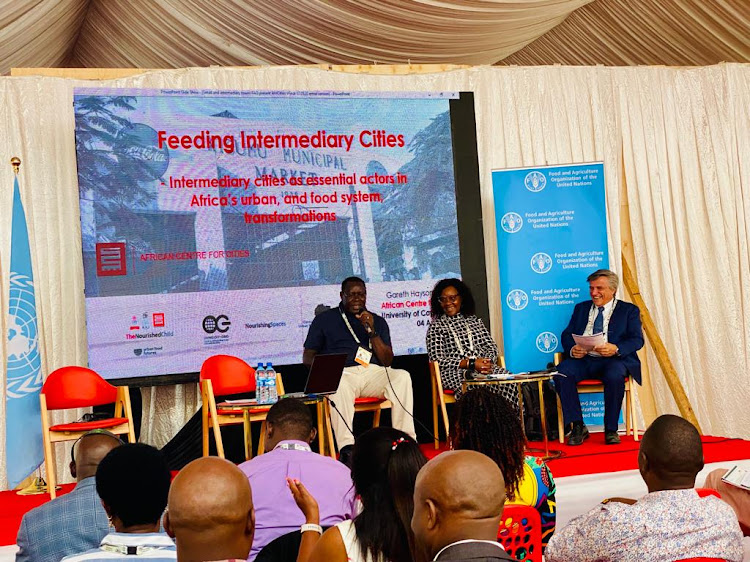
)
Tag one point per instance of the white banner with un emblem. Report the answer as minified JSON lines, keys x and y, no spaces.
{"x":23,"y":429}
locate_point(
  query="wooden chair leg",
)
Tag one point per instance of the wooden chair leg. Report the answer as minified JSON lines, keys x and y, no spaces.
{"x":435,"y":413}
{"x":246,"y":434}
{"x":49,"y":461}
{"x":376,"y":418}
{"x":628,"y":412}
{"x":560,"y":421}
{"x":262,"y":439}
{"x":320,"y":411}
{"x":329,"y":430}
{"x":633,"y":417}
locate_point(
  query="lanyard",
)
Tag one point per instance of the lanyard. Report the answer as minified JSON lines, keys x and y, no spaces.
{"x":594,"y":310}
{"x":293,"y":447}
{"x":458,"y":340}
{"x":351,"y":330}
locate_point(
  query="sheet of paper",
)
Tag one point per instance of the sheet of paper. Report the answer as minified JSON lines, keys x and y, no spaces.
{"x":589,"y":342}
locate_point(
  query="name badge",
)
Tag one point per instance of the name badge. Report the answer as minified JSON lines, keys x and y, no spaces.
{"x":363,"y":356}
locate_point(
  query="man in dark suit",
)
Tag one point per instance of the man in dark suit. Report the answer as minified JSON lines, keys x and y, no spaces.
{"x":75,"y":521}
{"x":458,"y":503}
{"x":610,"y":362}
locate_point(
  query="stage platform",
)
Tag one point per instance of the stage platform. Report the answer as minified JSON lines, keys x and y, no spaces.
{"x":584,"y":476}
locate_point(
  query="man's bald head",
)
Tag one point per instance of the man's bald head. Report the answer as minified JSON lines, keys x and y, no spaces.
{"x":671,"y":454}
{"x":458,"y":495}
{"x":210,"y":511}
{"x":89,"y":451}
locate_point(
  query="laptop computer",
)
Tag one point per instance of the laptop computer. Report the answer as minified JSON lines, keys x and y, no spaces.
{"x":324,"y":376}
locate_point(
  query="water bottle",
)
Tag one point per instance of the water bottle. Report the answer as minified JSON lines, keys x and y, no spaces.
{"x":273,"y":393}
{"x":260,"y":383}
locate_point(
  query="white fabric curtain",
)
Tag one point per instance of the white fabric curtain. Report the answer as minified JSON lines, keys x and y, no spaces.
{"x":686,"y":141}
{"x":643,"y":119}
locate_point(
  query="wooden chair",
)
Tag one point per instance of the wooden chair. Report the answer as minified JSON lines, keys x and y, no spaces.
{"x":520,"y":533}
{"x":222,"y":375}
{"x":440,"y":398}
{"x":590,"y":386}
{"x":371,"y":404}
{"x":78,"y":387}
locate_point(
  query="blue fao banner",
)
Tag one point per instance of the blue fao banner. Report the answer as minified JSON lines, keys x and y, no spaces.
{"x":551,"y":234}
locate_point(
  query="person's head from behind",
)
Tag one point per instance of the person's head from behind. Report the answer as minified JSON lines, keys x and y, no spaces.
{"x":89,"y":450}
{"x":450,"y":297}
{"x":133,"y":482}
{"x":671,"y":454}
{"x":487,"y":422}
{"x":210,"y":513}
{"x":459,"y":495}
{"x":289,"y":419}
{"x":385,"y":463}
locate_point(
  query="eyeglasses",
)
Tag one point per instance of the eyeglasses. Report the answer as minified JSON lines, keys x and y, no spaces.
{"x":356,"y":294}
{"x":449,"y":298}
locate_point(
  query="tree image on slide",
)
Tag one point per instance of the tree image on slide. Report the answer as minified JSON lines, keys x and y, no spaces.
{"x":117,"y":162}
{"x":416,"y":227}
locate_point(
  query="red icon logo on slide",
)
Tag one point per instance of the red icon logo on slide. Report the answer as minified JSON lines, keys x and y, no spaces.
{"x":110,"y":259}
{"x":158,"y":319}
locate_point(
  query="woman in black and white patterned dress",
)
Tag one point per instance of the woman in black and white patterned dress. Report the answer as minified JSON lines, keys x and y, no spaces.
{"x":459,"y":341}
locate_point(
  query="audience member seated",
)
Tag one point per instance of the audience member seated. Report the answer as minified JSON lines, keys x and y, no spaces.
{"x":385,"y":463}
{"x":486,"y":422}
{"x":289,"y":432}
{"x":210,"y":512}
{"x":458,"y":340}
{"x":76,"y":521}
{"x":737,"y":498}
{"x":458,"y":503}
{"x":132,"y":482}
{"x":670,"y":523}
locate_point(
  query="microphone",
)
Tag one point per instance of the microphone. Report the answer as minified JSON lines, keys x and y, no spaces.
{"x":367,"y":326}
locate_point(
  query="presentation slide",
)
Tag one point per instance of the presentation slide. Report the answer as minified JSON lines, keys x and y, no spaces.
{"x":222,"y":222}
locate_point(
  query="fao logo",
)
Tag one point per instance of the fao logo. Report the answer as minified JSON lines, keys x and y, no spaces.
{"x":546,"y":342}
{"x":212,"y":324}
{"x":517,"y":299}
{"x":541,"y":262}
{"x":535,"y":181}
{"x":511,"y":222}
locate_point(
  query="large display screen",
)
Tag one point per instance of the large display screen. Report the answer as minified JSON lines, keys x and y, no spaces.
{"x":224,"y":221}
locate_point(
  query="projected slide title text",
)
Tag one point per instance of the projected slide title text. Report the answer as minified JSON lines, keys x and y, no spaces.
{"x":320,"y":139}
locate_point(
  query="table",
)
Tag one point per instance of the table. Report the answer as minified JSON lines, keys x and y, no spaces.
{"x":252,"y":411}
{"x":518,"y":380}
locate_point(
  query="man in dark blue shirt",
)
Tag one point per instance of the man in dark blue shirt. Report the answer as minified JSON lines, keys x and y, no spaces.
{"x":350,"y":328}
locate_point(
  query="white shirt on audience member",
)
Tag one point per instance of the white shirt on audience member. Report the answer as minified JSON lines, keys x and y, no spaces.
{"x":660,"y":527}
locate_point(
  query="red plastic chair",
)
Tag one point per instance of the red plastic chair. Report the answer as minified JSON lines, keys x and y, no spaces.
{"x":222,"y":375}
{"x":701,"y":560}
{"x":78,"y":387}
{"x":520,"y":533}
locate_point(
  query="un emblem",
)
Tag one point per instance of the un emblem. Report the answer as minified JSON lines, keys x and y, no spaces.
{"x":517,"y":299}
{"x":511,"y":222}
{"x":541,"y":262}
{"x":24,"y":363}
{"x":546,"y":342}
{"x":535,"y":181}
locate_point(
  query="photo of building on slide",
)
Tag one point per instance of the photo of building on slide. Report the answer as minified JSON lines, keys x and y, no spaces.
{"x":134,"y":199}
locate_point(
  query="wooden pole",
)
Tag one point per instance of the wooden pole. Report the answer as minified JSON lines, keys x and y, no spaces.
{"x":670,"y":374}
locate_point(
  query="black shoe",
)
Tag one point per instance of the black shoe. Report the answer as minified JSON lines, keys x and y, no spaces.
{"x":578,"y":434}
{"x":611,"y":438}
{"x":345,"y":455}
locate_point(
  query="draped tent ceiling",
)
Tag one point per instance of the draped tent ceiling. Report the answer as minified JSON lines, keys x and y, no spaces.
{"x":184,"y":33}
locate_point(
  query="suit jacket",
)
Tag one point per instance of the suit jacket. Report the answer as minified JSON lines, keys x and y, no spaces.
{"x":624,"y":331}
{"x":69,"y":524}
{"x":475,"y":551}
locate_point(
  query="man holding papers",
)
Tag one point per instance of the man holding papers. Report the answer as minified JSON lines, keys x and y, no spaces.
{"x":600,"y":342}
